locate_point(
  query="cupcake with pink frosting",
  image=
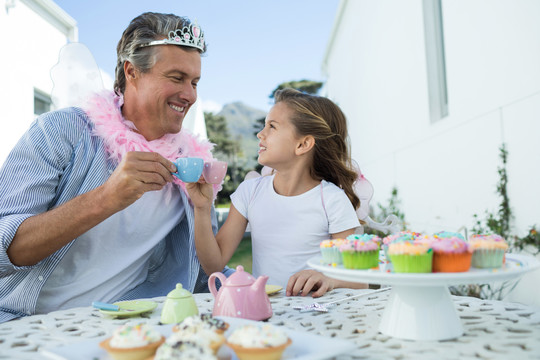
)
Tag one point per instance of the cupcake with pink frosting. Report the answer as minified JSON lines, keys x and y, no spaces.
{"x":488,"y":250}
{"x":451,"y":254}
{"x":358,"y":254}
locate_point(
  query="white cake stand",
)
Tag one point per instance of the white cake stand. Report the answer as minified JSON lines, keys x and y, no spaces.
{"x":420,"y":306}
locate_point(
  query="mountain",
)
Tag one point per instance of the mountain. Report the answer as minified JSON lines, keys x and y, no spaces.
{"x":241,"y":120}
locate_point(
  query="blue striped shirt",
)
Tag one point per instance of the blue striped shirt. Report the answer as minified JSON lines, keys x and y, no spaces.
{"x":56,"y":160}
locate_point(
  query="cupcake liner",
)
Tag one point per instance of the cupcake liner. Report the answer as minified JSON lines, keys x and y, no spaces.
{"x":405,"y":263}
{"x":135,"y":353}
{"x":451,"y":262}
{"x":262,"y":353}
{"x":331,"y":255}
{"x":487,"y":258}
{"x":360,"y":259}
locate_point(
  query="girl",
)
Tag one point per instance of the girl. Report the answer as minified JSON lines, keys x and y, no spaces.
{"x":308,"y":198}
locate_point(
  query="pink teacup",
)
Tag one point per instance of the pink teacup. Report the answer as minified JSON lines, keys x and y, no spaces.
{"x":214,"y":171}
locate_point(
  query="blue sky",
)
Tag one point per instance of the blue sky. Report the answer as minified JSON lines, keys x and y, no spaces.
{"x":253,"y":45}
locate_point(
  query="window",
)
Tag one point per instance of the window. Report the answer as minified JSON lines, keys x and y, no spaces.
{"x":42,"y":102}
{"x":436,"y":66}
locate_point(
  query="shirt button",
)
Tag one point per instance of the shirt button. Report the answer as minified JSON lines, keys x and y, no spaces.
{"x":110,"y":171}
{"x":40,"y":278}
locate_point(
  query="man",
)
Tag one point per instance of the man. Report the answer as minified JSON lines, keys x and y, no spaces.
{"x":89,"y":209}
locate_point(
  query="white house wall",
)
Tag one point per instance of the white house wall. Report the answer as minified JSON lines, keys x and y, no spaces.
{"x":444,"y":171}
{"x":30,"y":46}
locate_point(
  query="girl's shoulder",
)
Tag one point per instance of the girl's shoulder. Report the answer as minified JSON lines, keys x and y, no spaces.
{"x":330,"y":188}
{"x":254,"y":183}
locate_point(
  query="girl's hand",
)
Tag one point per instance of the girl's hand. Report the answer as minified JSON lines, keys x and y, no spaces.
{"x":201,"y":194}
{"x":307,"y":280}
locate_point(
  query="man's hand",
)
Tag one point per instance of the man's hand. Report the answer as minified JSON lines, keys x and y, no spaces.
{"x":137,"y":173}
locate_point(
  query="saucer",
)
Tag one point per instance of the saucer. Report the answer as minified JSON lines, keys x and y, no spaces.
{"x":272,"y":289}
{"x":131,"y":308}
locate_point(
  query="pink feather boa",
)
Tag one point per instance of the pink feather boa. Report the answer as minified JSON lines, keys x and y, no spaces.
{"x":119,"y":137}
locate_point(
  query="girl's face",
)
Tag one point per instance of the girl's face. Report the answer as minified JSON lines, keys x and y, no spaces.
{"x":278,"y":138}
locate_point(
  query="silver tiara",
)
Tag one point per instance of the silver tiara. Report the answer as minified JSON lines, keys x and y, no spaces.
{"x":187,"y":36}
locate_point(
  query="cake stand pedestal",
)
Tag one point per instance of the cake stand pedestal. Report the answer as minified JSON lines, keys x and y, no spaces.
{"x":420,"y":306}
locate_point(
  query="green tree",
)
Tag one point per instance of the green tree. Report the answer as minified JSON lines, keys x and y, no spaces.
{"x":501,"y":221}
{"x":226,"y":149}
{"x":218,"y":133}
{"x":307,"y":86}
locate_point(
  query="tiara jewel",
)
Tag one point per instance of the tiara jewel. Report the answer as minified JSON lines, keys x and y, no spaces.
{"x":187,"y":36}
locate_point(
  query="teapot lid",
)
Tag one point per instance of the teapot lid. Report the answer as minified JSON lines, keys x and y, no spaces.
{"x":178,"y":293}
{"x":240,"y":278}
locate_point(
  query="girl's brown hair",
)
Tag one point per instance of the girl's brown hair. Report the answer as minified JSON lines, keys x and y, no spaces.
{"x":321,"y":118}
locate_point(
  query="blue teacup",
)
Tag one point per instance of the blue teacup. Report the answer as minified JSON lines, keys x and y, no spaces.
{"x":189,"y":169}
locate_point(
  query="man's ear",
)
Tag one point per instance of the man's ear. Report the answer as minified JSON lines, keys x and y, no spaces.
{"x":305,"y":144}
{"x":129,"y":71}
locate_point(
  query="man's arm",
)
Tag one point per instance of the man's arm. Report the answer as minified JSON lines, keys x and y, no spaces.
{"x":41,"y":235}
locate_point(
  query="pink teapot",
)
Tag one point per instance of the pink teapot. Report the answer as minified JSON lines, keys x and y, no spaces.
{"x":240,"y":295}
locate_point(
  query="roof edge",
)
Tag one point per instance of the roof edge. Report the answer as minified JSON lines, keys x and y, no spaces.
{"x":50,"y":11}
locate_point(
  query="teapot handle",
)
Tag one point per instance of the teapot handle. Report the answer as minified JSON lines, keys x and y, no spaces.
{"x":212,"y":282}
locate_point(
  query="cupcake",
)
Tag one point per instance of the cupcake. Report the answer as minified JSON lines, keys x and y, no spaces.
{"x":408,"y":257}
{"x":133,"y":342}
{"x":200,"y":334}
{"x":398,"y":237}
{"x":488,"y":251}
{"x":365,"y":237}
{"x":359,"y":254}
{"x":401,"y":236}
{"x":451,"y":254}
{"x":184,"y":350}
{"x":448,"y":234}
{"x":264,"y":342}
{"x":330,"y":251}
{"x":204,"y":321}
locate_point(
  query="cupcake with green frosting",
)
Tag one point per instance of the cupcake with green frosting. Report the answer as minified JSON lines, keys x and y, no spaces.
{"x":358,"y":254}
{"x":408,"y":257}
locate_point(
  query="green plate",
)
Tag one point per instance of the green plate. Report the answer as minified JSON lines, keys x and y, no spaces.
{"x":131,"y":308}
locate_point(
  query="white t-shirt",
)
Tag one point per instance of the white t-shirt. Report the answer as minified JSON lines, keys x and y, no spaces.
{"x":113,"y":257}
{"x":286,"y":230}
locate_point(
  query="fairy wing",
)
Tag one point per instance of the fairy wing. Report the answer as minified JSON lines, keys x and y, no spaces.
{"x":75,"y":77}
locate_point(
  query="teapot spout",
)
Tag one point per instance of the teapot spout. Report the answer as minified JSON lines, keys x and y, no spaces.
{"x":259,"y":306}
{"x":260,"y":284}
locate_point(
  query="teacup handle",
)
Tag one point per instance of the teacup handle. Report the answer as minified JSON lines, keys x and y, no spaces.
{"x":212,"y":282}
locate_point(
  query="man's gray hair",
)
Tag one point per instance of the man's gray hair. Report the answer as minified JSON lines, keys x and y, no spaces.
{"x":143,"y":29}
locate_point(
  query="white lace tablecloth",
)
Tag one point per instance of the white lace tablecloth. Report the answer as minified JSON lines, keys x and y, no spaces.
{"x":492,"y":329}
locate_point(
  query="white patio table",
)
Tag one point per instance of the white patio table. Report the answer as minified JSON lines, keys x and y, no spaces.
{"x":492,"y":329}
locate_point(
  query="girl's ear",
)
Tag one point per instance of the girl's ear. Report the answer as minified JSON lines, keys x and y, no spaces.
{"x":305,"y":144}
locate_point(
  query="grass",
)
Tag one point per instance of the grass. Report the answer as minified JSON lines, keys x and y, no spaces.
{"x":242,"y":255}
